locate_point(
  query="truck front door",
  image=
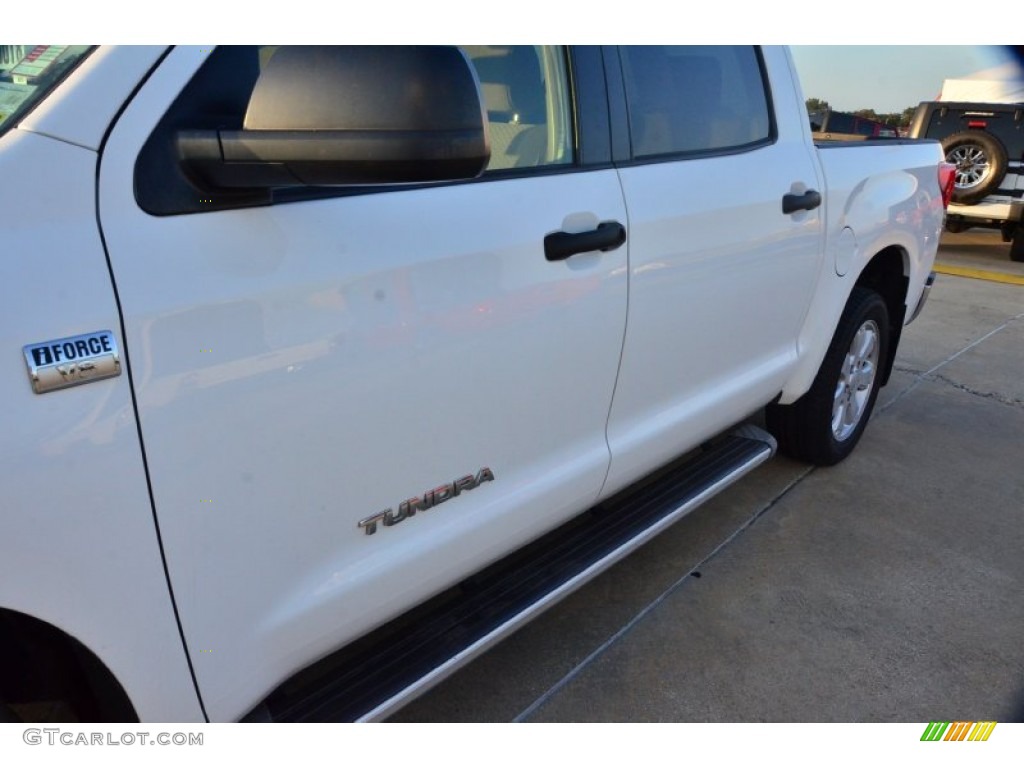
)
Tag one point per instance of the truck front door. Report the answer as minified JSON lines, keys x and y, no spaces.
{"x":306,"y":366}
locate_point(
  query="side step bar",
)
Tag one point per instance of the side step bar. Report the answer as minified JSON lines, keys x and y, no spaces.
{"x":373,"y":677}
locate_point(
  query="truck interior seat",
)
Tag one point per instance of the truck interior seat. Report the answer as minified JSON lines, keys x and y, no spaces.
{"x":513,"y":92}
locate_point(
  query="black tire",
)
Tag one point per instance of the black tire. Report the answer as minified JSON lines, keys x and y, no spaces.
{"x":981,"y":163}
{"x":1017,"y":244}
{"x":955,"y":226}
{"x":824,"y":425}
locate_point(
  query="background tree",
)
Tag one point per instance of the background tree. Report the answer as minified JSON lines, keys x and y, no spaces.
{"x":892,"y":119}
{"x":816,"y":105}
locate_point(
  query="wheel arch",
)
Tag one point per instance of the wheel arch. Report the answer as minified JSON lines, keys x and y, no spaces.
{"x":41,"y":664}
{"x":888,"y":274}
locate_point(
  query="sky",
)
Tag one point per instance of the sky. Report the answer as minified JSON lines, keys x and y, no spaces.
{"x":887,"y":78}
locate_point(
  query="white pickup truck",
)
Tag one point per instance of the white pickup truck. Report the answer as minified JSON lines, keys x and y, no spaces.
{"x":324,"y":368}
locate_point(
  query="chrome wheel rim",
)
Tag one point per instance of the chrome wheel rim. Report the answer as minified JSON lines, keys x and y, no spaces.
{"x":856,"y":381}
{"x":972,"y":166}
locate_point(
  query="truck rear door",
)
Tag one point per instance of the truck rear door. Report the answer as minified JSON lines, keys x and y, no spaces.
{"x":720,"y":276}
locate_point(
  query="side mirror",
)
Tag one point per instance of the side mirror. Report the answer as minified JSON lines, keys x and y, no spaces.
{"x":349,"y":115}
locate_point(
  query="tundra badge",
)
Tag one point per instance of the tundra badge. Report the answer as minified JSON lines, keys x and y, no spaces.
{"x":73,"y":360}
{"x":429,"y":499}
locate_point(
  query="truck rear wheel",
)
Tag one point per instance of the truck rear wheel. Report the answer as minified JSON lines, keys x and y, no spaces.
{"x":980,"y":161}
{"x":824,"y":425}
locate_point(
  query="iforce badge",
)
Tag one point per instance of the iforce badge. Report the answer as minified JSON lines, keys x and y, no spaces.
{"x":73,"y":360}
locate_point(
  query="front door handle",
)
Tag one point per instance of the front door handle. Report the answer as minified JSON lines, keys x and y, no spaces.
{"x":608,"y":236}
{"x":808,"y":201}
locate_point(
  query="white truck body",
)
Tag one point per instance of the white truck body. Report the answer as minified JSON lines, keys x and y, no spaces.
{"x":293,"y":369}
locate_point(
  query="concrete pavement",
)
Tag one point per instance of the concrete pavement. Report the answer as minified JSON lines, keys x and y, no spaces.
{"x":888,"y":588}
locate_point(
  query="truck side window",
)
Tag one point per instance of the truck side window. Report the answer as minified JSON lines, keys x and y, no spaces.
{"x":526,"y":95}
{"x":694,"y":99}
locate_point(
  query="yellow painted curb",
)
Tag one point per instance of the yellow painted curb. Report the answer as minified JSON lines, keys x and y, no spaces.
{"x":980,"y":274}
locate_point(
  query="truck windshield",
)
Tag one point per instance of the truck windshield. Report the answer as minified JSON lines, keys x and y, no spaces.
{"x":28,"y":72}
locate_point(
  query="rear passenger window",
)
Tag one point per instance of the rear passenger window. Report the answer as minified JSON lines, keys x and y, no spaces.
{"x":694,"y":99}
{"x":526,"y":95}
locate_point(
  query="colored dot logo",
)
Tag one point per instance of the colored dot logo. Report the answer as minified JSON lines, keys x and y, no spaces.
{"x":959,"y":731}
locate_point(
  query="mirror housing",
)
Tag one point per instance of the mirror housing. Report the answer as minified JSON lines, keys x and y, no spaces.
{"x":349,"y":115}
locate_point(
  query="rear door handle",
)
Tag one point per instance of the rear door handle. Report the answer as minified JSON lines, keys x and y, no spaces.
{"x":808,"y":201}
{"x":608,"y":236}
